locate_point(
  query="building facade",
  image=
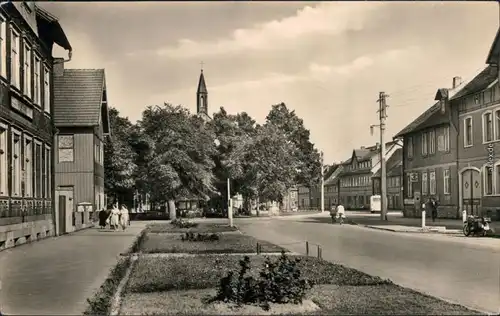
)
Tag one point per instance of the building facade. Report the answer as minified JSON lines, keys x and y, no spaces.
{"x":82,"y":122}
{"x":394,"y":167}
{"x":27,"y":35}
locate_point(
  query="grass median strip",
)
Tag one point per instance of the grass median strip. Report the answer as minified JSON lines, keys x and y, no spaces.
{"x":183,"y":285}
{"x":196,"y":228}
{"x":227,"y":243}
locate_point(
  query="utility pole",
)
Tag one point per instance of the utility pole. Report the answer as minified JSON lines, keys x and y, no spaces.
{"x":229,"y":206}
{"x":322,"y":183}
{"x":383,"y":176}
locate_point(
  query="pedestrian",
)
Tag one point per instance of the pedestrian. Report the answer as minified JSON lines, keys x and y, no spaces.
{"x":434,"y":209}
{"x":124,"y":217}
{"x":114,"y":217}
{"x":103,"y":215}
{"x":333,"y":213}
{"x":340,"y":213}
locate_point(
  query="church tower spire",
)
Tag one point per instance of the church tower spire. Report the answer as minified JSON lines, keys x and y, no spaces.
{"x":202,"y":96}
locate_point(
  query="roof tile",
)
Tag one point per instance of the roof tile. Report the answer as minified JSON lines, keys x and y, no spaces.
{"x":77,"y":97}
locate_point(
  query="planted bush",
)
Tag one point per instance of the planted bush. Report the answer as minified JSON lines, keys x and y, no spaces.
{"x":279,"y":282}
{"x":190,"y":236}
{"x":180,"y":223}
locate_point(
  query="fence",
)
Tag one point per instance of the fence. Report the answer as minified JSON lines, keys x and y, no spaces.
{"x":308,"y":250}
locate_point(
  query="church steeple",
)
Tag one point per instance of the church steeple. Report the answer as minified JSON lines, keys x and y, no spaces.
{"x":202,"y":96}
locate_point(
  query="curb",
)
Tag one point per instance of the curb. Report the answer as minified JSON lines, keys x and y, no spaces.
{"x":117,"y":298}
{"x":180,"y":255}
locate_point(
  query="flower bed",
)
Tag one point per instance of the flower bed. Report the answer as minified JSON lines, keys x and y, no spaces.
{"x":184,"y":285}
{"x":197,"y":228}
{"x":227,"y":243}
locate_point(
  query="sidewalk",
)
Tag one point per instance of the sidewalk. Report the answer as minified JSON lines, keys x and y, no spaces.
{"x":397,"y":223}
{"x":55,"y":276}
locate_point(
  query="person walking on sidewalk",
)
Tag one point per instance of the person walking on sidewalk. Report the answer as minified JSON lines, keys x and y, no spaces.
{"x":434,"y":209}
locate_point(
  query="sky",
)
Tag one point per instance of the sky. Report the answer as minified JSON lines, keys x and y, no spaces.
{"x":328,"y":61}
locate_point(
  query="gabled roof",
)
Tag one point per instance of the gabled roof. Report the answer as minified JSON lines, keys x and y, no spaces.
{"x":78,"y":98}
{"x":337,"y":170}
{"x":494,"y":53}
{"x":202,"y":87}
{"x":478,"y":83}
{"x":49,"y":26}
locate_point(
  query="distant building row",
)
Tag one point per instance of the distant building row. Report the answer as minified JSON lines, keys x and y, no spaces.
{"x":355,"y":180}
{"x":52,"y":128}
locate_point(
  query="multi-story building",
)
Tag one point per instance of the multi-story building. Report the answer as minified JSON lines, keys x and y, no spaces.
{"x":356,"y":186}
{"x":449,"y":150}
{"x":394,"y":167}
{"x":304,"y":197}
{"x":332,"y":185}
{"x":82,"y":122}
{"x":430,"y":158}
{"x":27,"y":35}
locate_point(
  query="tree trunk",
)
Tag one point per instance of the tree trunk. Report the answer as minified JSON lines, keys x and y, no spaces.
{"x":171,"y":209}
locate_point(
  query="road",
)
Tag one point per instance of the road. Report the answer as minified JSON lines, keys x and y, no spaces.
{"x":457,"y":269}
{"x":55,"y":276}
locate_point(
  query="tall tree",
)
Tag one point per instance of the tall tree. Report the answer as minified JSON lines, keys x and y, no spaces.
{"x":292,"y":128}
{"x":232,"y":133}
{"x":119,"y":165}
{"x":180,"y":148}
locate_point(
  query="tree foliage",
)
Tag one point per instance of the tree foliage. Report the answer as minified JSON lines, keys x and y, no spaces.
{"x":293,"y":129}
{"x":119,"y":159}
{"x":177,"y":150}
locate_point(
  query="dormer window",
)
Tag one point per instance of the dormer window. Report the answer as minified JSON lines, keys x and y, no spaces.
{"x":477,"y":99}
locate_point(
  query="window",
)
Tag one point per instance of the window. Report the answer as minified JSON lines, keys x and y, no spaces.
{"x":496,"y":118}
{"x":101,"y":152}
{"x":15,"y":77}
{"x":488,"y":180}
{"x":424,"y":144}
{"x":4,"y":167}
{"x":65,"y":148}
{"x":410,"y":147}
{"x":46,"y":90}
{"x":37,"y":92}
{"x":432,"y":142}
{"x":446,"y":138}
{"x":477,"y":99}
{"x":468,"y":132}
{"x":409,"y":193}
{"x":28,"y":166}
{"x":27,"y":70}
{"x":497,"y":181}
{"x":96,"y":152}
{"x":487,"y":127}
{"x":432,"y":182}
{"x":446,"y":181}
{"x":38,"y":169}
{"x":16,"y":163}
{"x":425,"y":183}
{"x":43,"y":166}
{"x":3,"y":46}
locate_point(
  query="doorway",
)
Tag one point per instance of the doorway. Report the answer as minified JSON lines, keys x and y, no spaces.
{"x":65,"y":210}
{"x":471,"y":191}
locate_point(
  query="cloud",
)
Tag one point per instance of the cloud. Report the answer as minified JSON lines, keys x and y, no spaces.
{"x":322,"y":72}
{"x":327,"y":18}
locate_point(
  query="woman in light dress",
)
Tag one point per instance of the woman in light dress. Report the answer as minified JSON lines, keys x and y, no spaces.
{"x":114,"y":217}
{"x":124,"y":217}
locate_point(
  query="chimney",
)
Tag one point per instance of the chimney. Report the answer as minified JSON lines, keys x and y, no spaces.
{"x":363,"y":147}
{"x":377,"y":145}
{"x":457,"y":81}
{"x":58,"y":67}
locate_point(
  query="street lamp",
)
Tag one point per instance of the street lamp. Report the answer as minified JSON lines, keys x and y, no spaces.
{"x":229,"y":206}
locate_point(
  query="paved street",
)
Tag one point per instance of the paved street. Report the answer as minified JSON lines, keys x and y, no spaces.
{"x":463,"y":270}
{"x":55,"y":276}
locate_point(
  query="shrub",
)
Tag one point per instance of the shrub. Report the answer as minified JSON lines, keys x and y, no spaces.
{"x":279,"y":282}
{"x":190,"y":236}
{"x":100,"y":302}
{"x":180,"y":223}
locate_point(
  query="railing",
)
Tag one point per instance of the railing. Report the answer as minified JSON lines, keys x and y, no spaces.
{"x":307,"y":244}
